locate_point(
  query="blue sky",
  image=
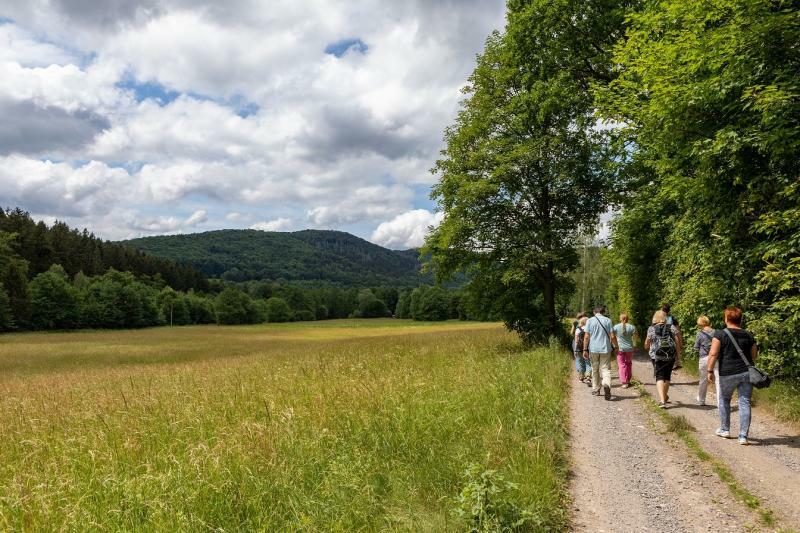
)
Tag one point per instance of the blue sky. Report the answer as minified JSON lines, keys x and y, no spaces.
{"x":142,"y":117}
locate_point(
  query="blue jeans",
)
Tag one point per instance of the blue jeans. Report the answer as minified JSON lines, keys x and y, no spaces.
{"x":727,"y":384}
{"x":583,"y":366}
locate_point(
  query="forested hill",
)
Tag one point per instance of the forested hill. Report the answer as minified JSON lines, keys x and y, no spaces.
{"x":309,"y":255}
{"x":40,"y":246}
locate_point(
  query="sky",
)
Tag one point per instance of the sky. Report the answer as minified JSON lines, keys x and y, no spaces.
{"x":147,"y":117}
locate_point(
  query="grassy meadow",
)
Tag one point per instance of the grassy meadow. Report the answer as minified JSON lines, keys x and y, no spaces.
{"x":339,"y":425}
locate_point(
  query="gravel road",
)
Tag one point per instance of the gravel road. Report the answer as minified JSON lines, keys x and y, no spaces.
{"x":769,"y":467}
{"x":628,"y":475}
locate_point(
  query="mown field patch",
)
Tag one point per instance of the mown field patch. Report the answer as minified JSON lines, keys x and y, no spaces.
{"x":348,"y":425}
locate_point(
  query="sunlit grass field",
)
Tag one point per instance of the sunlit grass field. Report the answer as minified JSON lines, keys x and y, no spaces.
{"x":339,"y":425}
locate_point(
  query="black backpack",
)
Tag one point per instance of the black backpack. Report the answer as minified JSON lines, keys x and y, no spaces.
{"x":581,"y":340}
{"x":664,"y":343}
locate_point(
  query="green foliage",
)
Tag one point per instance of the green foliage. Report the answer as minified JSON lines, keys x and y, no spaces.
{"x":432,"y":304}
{"x":278,"y":310}
{"x":302,"y":256}
{"x":118,"y":300}
{"x":233,"y":306}
{"x":524,"y":169}
{"x":42,"y":246}
{"x":485,"y":504}
{"x":403,"y":308}
{"x":369,"y":306}
{"x":709,"y":98}
{"x":54,"y":300}
{"x":13,"y":281}
{"x":6,"y":321}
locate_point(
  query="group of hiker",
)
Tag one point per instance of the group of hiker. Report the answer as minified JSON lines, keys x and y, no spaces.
{"x":726,"y":358}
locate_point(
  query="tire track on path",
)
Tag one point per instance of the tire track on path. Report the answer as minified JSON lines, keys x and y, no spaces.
{"x":626,"y":477}
{"x":769,"y":467}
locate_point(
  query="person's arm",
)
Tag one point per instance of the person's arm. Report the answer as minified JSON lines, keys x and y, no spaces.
{"x":647,"y":341}
{"x":614,"y":342}
{"x":697,"y":342}
{"x":586,"y":339}
{"x":713,"y":355}
{"x":754,"y":352}
{"x":678,"y":341}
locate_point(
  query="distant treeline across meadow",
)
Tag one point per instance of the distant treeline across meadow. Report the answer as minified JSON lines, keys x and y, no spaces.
{"x":55,"y":277}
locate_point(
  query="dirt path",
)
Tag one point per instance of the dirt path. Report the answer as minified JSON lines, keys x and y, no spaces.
{"x":628,"y":477}
{"x":769,"y":467}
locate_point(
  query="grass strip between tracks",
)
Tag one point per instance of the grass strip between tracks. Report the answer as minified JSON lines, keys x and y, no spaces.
{"x":683,"y":429}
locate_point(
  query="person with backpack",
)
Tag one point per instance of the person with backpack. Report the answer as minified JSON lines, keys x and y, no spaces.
{"x":702,"y":345}
{"x":582,"y":363}
{"x":672,"y":320}
{"x":624,"y":333}
{"x":575,"y":323}
{"x":602,"y":343}
{"x":736,"y":351}
{"x":664,"y":345}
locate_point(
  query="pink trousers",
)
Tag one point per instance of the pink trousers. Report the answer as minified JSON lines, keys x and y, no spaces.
{"x":624,"y":361}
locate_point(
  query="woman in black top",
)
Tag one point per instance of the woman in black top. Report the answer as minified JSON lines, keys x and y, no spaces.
{"x":733,"y":371}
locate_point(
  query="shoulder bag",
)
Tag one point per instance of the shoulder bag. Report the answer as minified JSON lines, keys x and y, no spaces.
{"x":758,"y":378}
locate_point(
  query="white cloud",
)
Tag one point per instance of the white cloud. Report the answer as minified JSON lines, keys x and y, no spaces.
{"x":60,"y":189}
{"x":407,"y":230}
{"x":263,"y":120}
{"x":279,"y":224}
{"x":163,"y":224}
{"x":233,"y":216}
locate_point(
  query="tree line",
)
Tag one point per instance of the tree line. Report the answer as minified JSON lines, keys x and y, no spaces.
{"x":57,"y":298}
{"x":684,"y":117}
{"x":40,"y":246}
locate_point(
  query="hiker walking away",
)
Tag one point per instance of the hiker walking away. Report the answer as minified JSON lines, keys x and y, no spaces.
{"x":602,"y":343}
{"x":702,"y":345}
{"x":576,"y":323}
{"x":624,"y":333}
{"x":582,"y":363}
{"x":664,"y":345}
{"x":733,"y":371}
{"x":672,"y":320}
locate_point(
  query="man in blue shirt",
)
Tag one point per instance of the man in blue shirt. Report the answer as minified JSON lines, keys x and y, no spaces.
{"x":602,"y":343}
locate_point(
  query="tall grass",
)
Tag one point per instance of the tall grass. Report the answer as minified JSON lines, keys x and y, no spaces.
{"x":351,"y":425}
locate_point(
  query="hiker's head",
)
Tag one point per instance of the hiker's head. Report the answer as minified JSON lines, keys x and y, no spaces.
{"x":666,"y":308}
{"x":583,"y":321}
{"x":733,"y":315}
{"x":703,"y":321}
{"x":580,"y":315}
{"x":623,"y":318}
{"x":600,"y":309}
{"x":660,"y":317}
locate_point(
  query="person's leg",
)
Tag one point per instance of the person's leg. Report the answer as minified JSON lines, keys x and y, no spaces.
{"x":661,"y":391}
{"x":702,"y":389}
{"x":588,"y":368}
{"x":724,"y":403}
{"x":605,"y":372}
{"x":745,"y":392}
{"x":579,"y":365}
{"x":595,"y":359}
{"x":629,"y":365}
{"x":624,"y":362}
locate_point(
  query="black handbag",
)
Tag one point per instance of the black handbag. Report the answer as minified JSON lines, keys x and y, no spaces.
{"x":758,"y":378}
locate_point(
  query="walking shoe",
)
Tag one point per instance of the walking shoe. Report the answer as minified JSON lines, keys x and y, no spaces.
{"x":595,"y":393}
{"x":625,"y":385}
{"x":743,"y":441}
{"x":724,"y":433}
{"x":662,"y":405}
{"x":607,"y":392}
{"x":700,"y":402}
